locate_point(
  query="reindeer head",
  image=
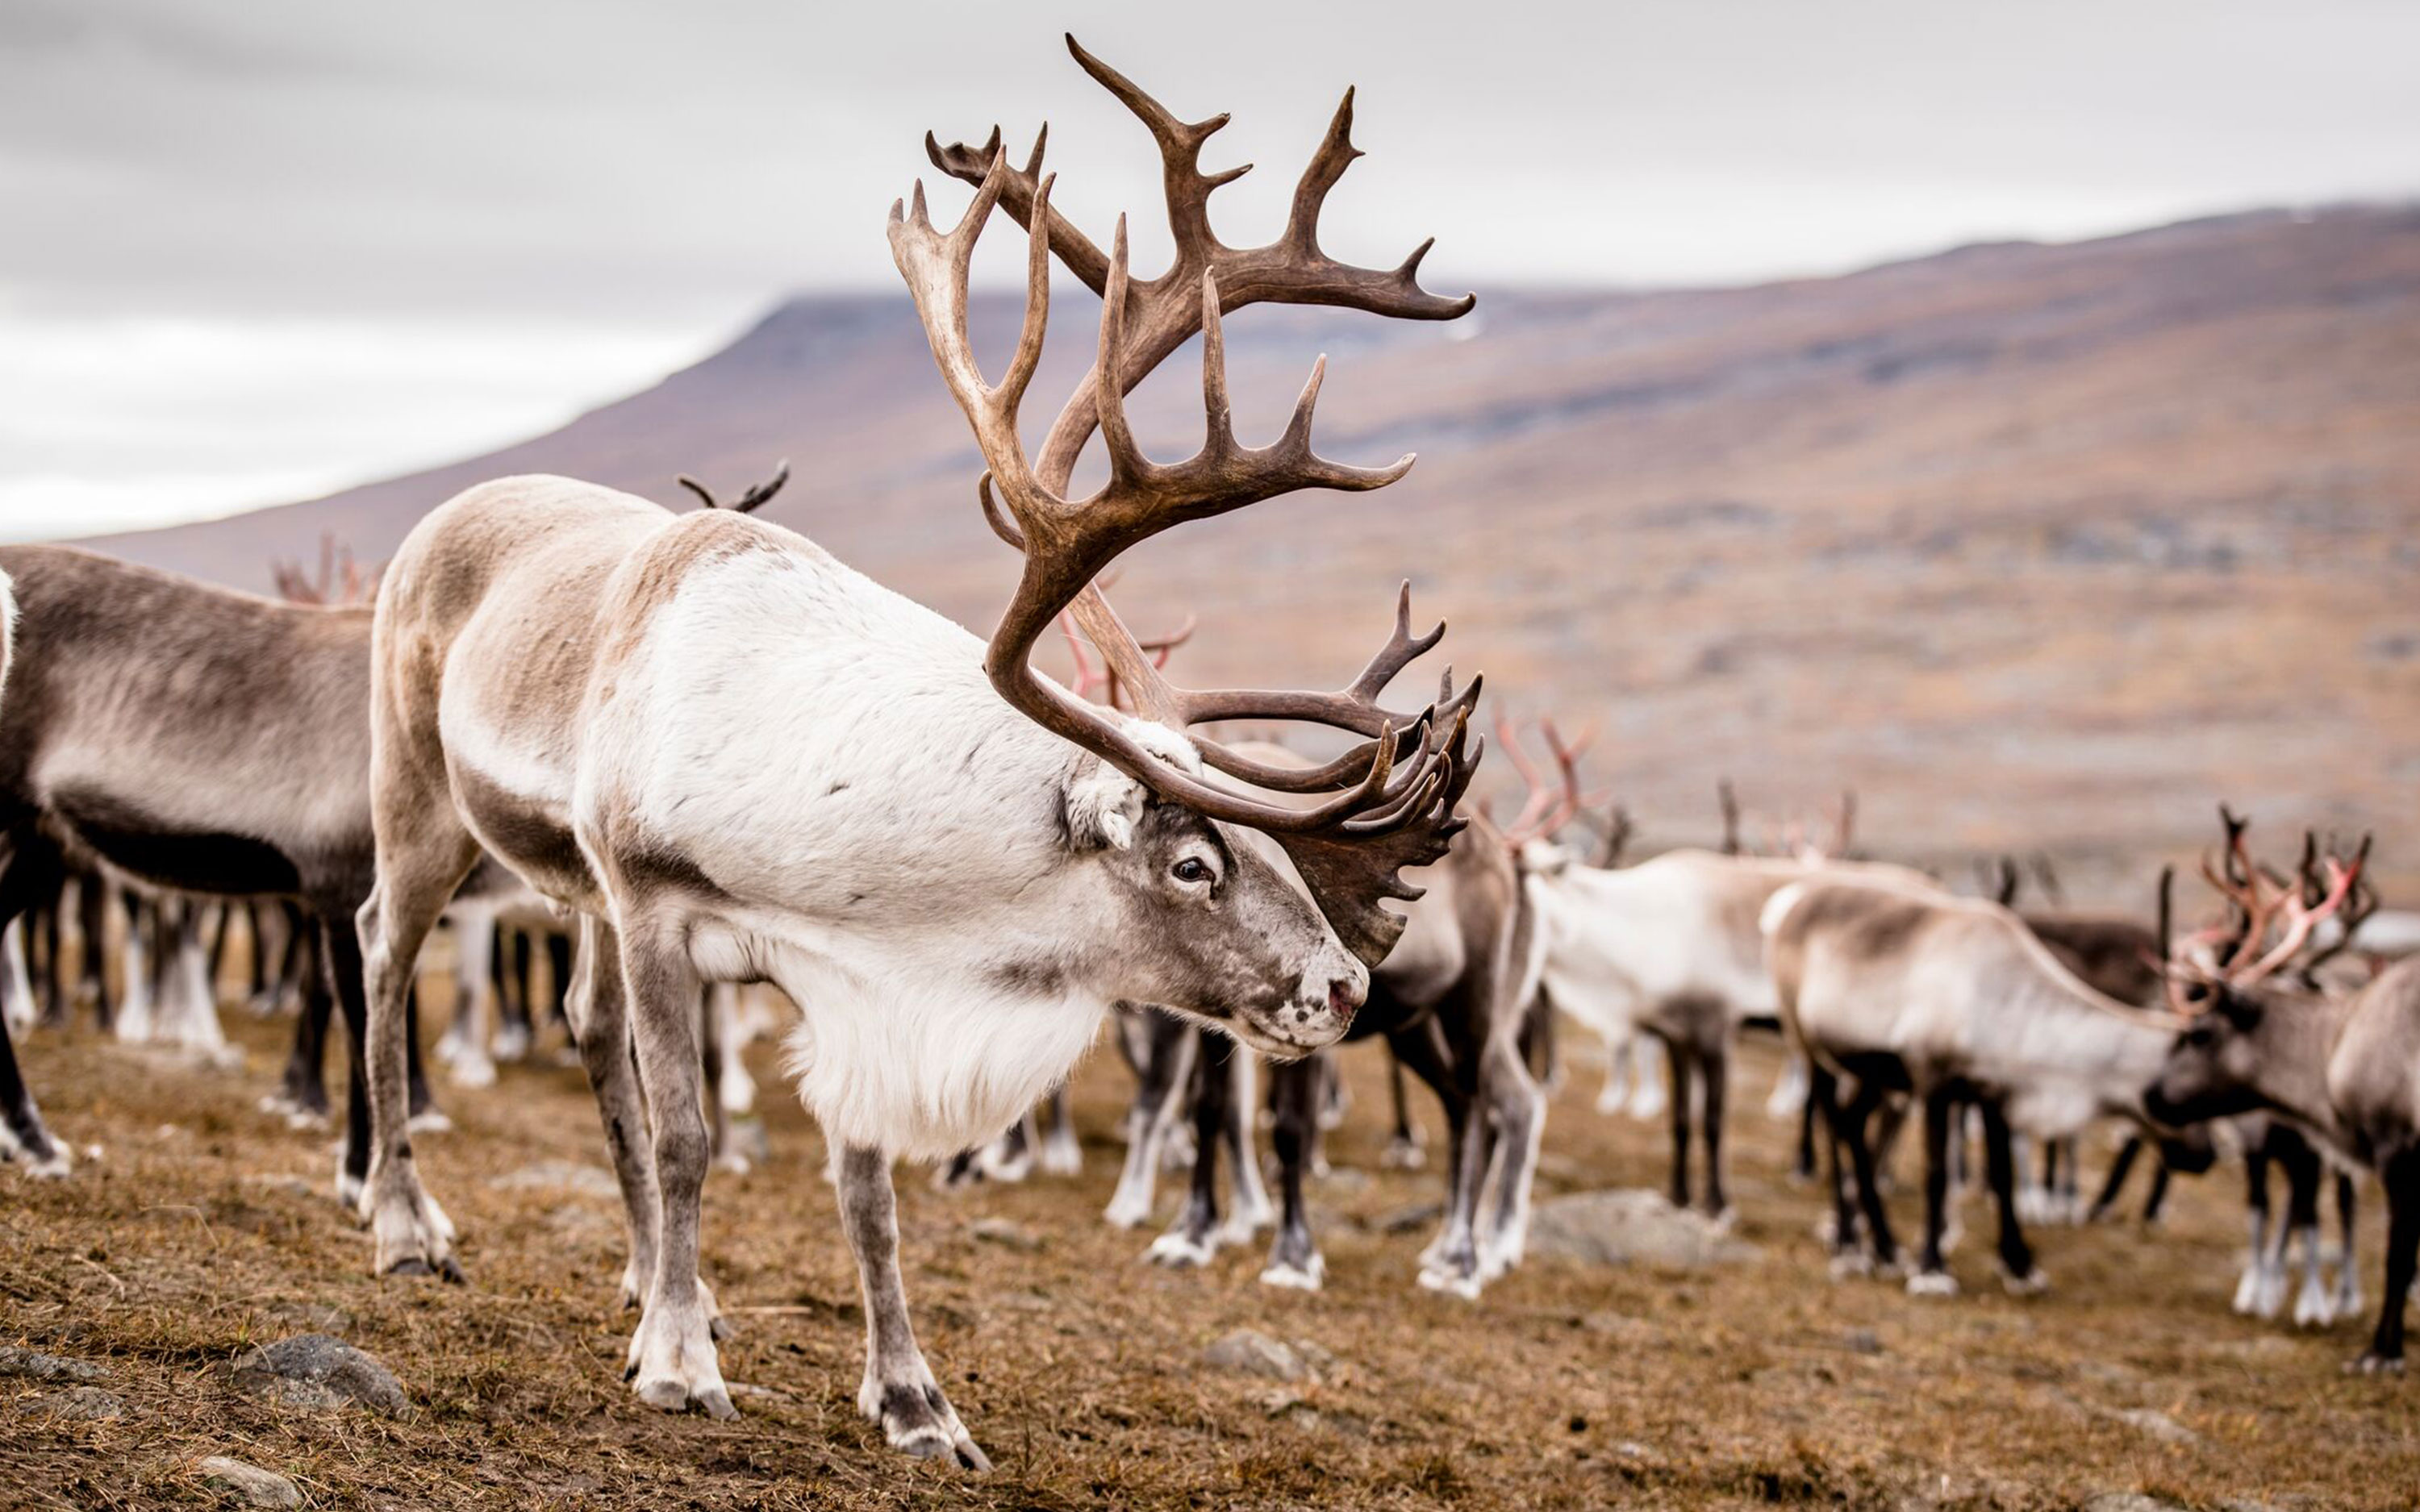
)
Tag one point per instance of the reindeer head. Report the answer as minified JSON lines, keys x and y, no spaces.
{"x":2233,"y":987}
{"x":1348,"y":826}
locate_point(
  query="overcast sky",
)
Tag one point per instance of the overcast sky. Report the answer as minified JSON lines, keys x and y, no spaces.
{"x":256,"y":252}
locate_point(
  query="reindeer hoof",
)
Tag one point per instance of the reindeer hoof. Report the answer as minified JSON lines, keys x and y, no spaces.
{"x":1179,"y":1251}
{"x":1296,"y":1277}
{"x":2374,"y":1364}
{"x":1932,"y":1284}
{"x":1852,"y":1265}
{"x":2032,"y":1284}
{"x":1453,"y":1283}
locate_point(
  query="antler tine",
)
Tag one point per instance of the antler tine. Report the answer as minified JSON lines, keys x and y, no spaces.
{"x":749,"y":502}
{"x":2358,"y":904}
{"x":705,"y":496}
{"x":1729,"y":797}
{"x":1529,"y":823}
{"x":1180,"y":153}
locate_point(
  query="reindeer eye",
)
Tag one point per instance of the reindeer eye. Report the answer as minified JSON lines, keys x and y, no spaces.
{"x":1191,"y":868}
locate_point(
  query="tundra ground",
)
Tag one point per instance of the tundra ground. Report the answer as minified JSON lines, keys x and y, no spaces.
{"x":204,"y":1228}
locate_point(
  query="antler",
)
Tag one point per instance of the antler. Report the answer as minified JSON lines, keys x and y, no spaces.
{"x":746,"y":503}
{"x":1537,"y":816}
{"x":1399,"y":786}
{"x":2356,"y":908}
{"x":1729,"y":797}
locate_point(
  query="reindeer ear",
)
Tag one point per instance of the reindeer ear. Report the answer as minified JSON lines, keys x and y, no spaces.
{"x":1102,"y":806}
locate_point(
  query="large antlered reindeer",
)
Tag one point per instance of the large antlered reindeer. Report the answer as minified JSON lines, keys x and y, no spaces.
{"x":738,"y":759}
{"x":2342,"y":1064}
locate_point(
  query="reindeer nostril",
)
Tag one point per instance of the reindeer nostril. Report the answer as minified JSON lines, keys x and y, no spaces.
{"x":1343,"y":999}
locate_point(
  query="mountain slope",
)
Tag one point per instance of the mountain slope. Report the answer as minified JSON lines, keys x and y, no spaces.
{"x":2033,"y":545}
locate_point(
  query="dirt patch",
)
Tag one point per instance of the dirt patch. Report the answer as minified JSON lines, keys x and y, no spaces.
{"x":1085,"y":1373}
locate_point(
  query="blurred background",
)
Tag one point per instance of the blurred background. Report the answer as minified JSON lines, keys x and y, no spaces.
{"x":2010,"y":414}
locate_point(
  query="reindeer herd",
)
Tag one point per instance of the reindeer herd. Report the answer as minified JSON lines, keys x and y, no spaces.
{"x":671,"y":753}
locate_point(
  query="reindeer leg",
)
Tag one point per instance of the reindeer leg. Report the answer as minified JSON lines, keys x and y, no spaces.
{"x":2399,"y":1173}
{"x":1517,"y":1112}
{"x":1252,"y":1209}
{"x":1713,"y":1086}
{"x":2018,"y":1275}
{"x":1164,"y":1063}
{"x":2348,"y":1293}
{"x":673,"y":1362}
{"x":2256,"y":1209}
{"x":92,"y":908}
{"x":899,"y":1393}
{"x":1062,"y":1154}
{"x":1932,"y":1277}
{"x":1824,"y":1097}
{"x":26,"y":863}
{"x":474,"y":960}
{"x":1683,"y":1109}
{"x":1851,"y":1132}
{"x":2311,"y":1309}
{"x":598,"y":1010}
{"x":509,"y":969}
{"x":1295,"y":1259}
{"x":427,"y":1117}
{"x":1406,"y":1149}
{"x":1193,"y":1238}
{"x":302,"y":1096}
{"x":1450,"y":1262}
{"x":2111,"y":1189}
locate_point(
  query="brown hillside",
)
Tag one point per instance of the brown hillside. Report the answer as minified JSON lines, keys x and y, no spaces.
{"x":2035,"y":546}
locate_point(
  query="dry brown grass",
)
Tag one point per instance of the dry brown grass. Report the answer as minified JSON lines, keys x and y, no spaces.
{"x":206,"y":1229}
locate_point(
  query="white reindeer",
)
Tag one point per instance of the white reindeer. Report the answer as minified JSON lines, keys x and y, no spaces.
{"x":739,"y":760}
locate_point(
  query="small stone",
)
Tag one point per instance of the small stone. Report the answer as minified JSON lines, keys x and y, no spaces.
{"x":248,"y":1483}
{"x":1006,"y":1234}
{"x":22,"y":1361}
{"x":576,"y":1177}
{"x":315,"y":1370}
{"x":1630,"y":1228}
{"x":1862,"y":1341}
{"x":83,"y":1404}
{"x":1258,"y":1354}
{"x":2129,"y":1502}
{"x":2158,"y":1425}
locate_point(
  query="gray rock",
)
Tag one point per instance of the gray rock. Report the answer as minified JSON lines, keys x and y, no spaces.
{"x":82,"y":1404}
{"x":560,"y":1175}
{"x":314,"y":1370}
{"x":1006,"y":1234}
{"x":2158,"y":1425}
{"x":1256,"y":1353}
{"x":248,"y":1483}
{"x":2129,"y":1502}
{"x":39,"y":1367}
{"x":1631,"y":1229}
{"x":1862,"y":1341}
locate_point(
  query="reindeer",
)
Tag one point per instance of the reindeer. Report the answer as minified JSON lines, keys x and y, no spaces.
{"x":2273,"y":1140}
{"x":1948,"y":1000}
{"x":1670,"y":947}
{"x":2346,"y":1066}
{"x":736,"y":759}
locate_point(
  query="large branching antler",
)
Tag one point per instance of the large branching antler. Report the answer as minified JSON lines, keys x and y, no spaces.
{"x":1395,"y":794}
